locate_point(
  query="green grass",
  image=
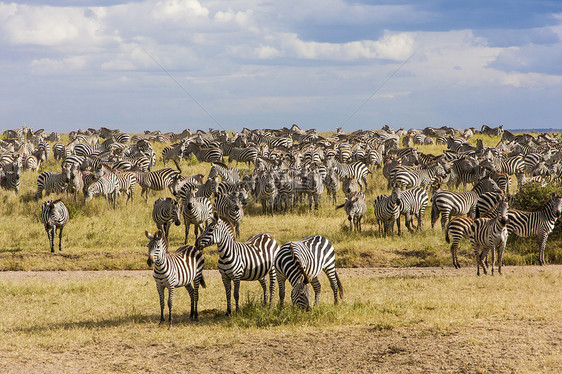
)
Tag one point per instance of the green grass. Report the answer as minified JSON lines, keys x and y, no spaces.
{"x":99,"y":238}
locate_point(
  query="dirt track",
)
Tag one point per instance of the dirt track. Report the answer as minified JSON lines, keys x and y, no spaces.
{"x":507,"y":347}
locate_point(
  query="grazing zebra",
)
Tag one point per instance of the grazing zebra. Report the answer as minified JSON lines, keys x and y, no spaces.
{"x":457,"y":228}
{"x":229,"y":175}
{"x":156,"y":180}
{"x":413,"y":202}
{"x":52,"y":182}
{"x":358,"y":170}
{"x":196,"y":211}
{"x":301,"y":262}
{"x":107,"y":184}
{"x":248,"y":261}
{"x":536,"y":224}
{"x":164,"y":212}
{"x":387,"y":211}
{"x":204,"y":154}
{"x":174,"y":152}
{"x":178,"y":269}
{"x":450,"y":203}
{"x":355,"y":208}
{"x":490,"y":234}
{"x":229,"y":207}
{"x":54,"y":215}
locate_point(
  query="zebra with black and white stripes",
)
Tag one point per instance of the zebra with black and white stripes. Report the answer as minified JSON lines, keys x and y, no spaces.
{"x":229,"y":175}
{"x":229,"y":207}
{"x":248,"y":261}
{"x":183,"y":268}
{"x":52,"y":182}
{"x":490,"y":234}
{"x":358,"y":170}
{"x":10,"y":180}
{"x":413,"y":203}
{"x":457,"y":228}
{"x":387,"y":211}
{"x":332,"y":183}
{"x":301,"y":262}
{"x":355,"y":208}
{"x":165,"y":211}
{"x":127,"y":182}
{"x":247,"y":155}
{"x":157,"y":180}
{"x":196,"y":211}
{"x":536,"y":224}
{"x":174,"y":152}
{"x":54,"y":215}
{"x":451,"y":203}
{"x":107,"y":184}
{"x":266,"y":192}
{"x":405,"y":177}
{"x":213,"y":154}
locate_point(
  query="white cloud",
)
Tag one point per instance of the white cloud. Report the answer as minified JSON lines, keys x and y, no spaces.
{"x":179,"y":10}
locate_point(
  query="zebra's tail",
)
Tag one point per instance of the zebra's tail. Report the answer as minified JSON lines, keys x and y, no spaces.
{"x":340,"y":206}
{"x":202,"y":282}
{"x":447,"y":234}
{"x":340,"y":286}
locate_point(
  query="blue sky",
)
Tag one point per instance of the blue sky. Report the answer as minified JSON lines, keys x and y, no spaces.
{"x":175,"y":64}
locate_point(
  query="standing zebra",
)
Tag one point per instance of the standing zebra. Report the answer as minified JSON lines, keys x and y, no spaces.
{"x":52,"y":182}
{"x":413,"y":202}
{"x":229,"y":207}
{"x":174,"y":152}
{"x":450,"y":203}
{"x":173,"y":270}
{"x":230,"y":175}
{"x":10,"y":180}
{"x":301,"y":262}
{"x":266,"y":192}
{"x":156,"y":180}
{"x":490,"y":234}
{"x":196,"y":211}
{"x":54,"y":215}
{"x":204,"y":154}
{"x":332,"y":183}
{"x":387,"y":211}
{"x":164,"y":212}
{"x":536,"y":224}
{"x":358,"y":170}
{"x":457,"y":228}
{"x":249,"y":261}
{"x":355,"y":208}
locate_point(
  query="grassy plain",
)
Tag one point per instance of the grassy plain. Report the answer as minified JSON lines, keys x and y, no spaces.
{"x":99,"y":238}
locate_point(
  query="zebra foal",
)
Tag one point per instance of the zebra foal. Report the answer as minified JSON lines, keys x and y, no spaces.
{"x":54,"y":215}
{"x":183,"y":268}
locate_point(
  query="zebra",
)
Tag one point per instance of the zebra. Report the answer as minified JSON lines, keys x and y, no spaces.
{"x":301,"y":262}
{"x":52,"y":182}
{"x":490,"y":234}
{"x":266,"y":192}
{"x":107,"y":184}
{"x":387,"y":211}
{"x":196,"y":211}
{"x":204,"y":154}
{"x":457,"y":228}
{"x":332,"y":184}
{"x":127,"y":182}
{"x":156,"y":180}
{"x":248,"y":261}
{"x":413,"y":202}
{"x":230,"y":175}
{"x":536,"y":224}
{"x":356,"y":169}
{"x":450,"y":203}
{"x":10,"y":180}
{"x":178,"y":269}
{"x":229,"y":207}
{"x":404,"y":177}
{"x":486,"y":202}
{"x":248,"y":155}
{"x":313,"y":187}
{"x":355,"y":208}
{"x":174,"y":152}
{"x":164,"y":212}
{"x":54,"y":215}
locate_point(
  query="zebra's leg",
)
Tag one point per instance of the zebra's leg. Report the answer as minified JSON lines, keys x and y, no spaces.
{"x":501,"y":248}
{"x":434,"y":214}
{"x":493,"y":248}
{"x":350,"y":223}
{"x":236,"y":282}
{"x":272,"y":279}
{"x":407,"y":219}
{"x":454,"y":248}
{"x":161,"y":296}
{"x":477,"y":257}
{"x":195,"y":300}
{"x":170,"y":300}
{"x":310,"y":202}
{"x":186,"y":222}
{"x":191,"y":292}
{"x":51,"y":233}
{"x":281,"y":280}
{"x":317,"y":288}
{"x":227,"y":289}
{"x":333,"y":278}
{"x":397,"y":225}
{"x":177,"y":165}
{"x":263,"y":284}
{"x":60,"y":237}
{"x":542,"y":245}
{"x":444,"y":220}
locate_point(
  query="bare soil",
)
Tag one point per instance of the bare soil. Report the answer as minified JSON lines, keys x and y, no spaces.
{"x":511,"y":346}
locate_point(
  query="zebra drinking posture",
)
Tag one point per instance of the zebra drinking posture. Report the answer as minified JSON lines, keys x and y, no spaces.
{"x":536,"y":224}
{"x":301,"y":262}
{"x":54,"y":215}
{"x":490,"y":234}
{"x":171,"y":270}
{"x":165,"y":211}
{"x":248,"y":261}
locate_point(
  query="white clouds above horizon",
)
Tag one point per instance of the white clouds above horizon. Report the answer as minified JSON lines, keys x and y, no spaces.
{"x":228,"y":52}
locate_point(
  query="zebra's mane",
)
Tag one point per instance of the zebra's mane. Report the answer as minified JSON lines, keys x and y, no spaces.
{"x":299,"y":264}
{"x":221,"y":165}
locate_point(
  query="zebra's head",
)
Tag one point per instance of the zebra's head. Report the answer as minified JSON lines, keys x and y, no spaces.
{"x":300,"y":296}
{"x":157,"y":246}
{"x":209,"y":236}
{"x":503,"y":207}
{"x":557,"y":205}
{"x":176,"y":211}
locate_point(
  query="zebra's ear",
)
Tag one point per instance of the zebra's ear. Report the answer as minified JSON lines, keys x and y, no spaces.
{"x":148,"y":235}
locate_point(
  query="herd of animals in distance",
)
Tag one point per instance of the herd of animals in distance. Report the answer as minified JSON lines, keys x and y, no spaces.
{"x":292,"y":166}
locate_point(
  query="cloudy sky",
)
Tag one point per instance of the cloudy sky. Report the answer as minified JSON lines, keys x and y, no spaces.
{"x":175,"y":64}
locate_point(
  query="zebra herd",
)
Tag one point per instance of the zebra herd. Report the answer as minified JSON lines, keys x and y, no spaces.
{"x":294,"y":168}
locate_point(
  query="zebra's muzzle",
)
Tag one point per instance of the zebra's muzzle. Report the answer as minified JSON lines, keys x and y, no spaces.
{"x":149,"y":261}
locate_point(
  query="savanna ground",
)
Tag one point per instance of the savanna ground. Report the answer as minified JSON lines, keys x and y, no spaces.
{"x":60,"y":316}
